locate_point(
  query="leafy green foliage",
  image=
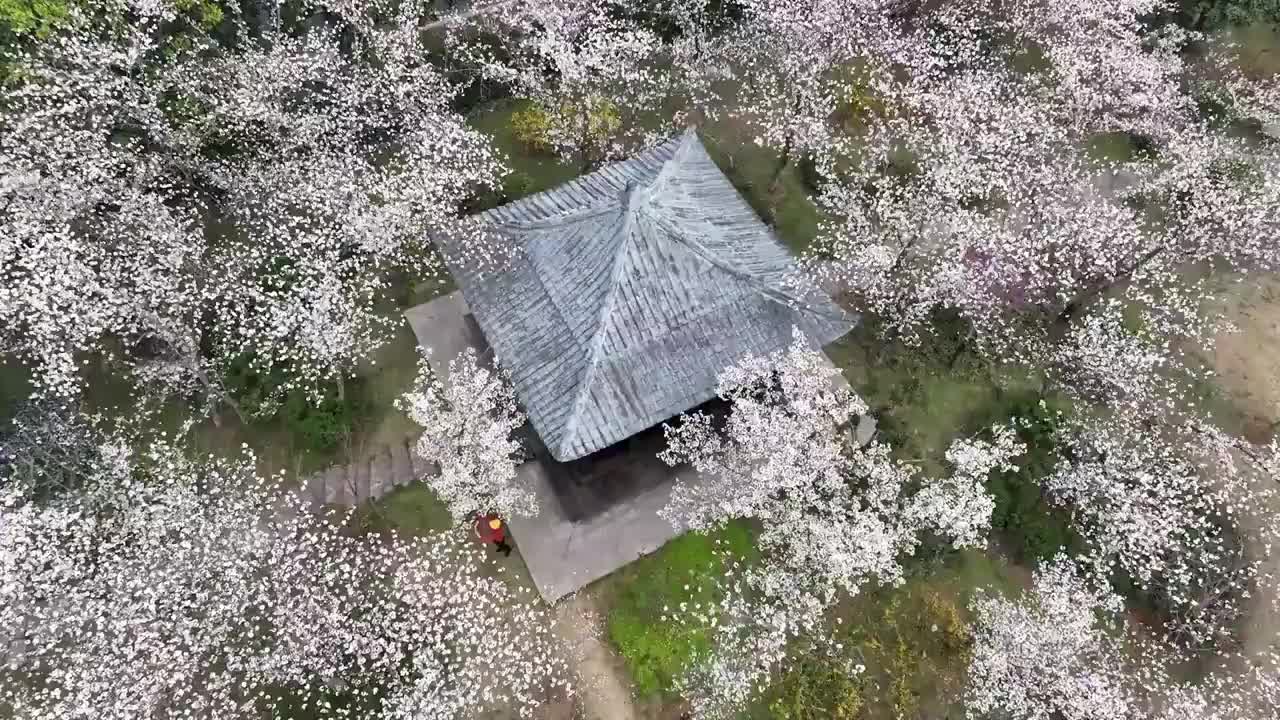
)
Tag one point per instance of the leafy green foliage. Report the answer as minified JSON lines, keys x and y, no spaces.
{"x":818,"y":689}
{"x":924,"y":395}
{"x":1120,"y":147}
{"x":912,"y":643}
{"x":927,"y":395}
{"x":543,"y":171}
{"x":1031,"y":528}
{"x":316,"y":428}
{"x":807,"y":166}
{"x":1216,"y":14}
{"x":531,"y":126}
{"x":319,"y":427}
{"x":39,"y":18}
{"x":207,"y":14}
{"x":644,"y":594}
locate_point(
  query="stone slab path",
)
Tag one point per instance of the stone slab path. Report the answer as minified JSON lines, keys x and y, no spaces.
{"x":370,"y":477}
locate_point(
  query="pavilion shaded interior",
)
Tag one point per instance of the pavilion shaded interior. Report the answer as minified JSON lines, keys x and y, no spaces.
{"x":589,"y":486}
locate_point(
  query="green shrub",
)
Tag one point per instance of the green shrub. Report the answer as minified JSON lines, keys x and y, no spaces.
{"x":257,"y":393}
{"x":1030,"y":526}
{"x":319,"y":427}
{"x":516,"y":185}
{"x":656,"y":647}
{"x":35,"y":17}
{"x":818,"y":688}
{"x":604,"y":119}
{"x":205,"y":13}
{"x":913,"y":642}
{"x":315,"y":426}
{"x":809,"y":174}
{"x":531,"y":126}
{"x":1216,"y":14}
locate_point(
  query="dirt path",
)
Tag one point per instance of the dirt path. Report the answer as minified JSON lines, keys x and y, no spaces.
{"x":605,"y":692}
{"x":1248,"y":363}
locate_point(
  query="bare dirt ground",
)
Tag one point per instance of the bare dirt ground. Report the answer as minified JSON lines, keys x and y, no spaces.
{"x":604,"y":690}
{"x":1248,"y":363}
{"x":605,"y":693}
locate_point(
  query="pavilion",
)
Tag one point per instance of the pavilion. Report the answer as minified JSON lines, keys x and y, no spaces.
{"x":624,"y":294}
{"x":630,"y":289}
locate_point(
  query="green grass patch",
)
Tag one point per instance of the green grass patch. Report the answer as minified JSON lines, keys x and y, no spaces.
{"x":641,"y":596}
{"x":15,"y":388}
{"x":532,"y":170}
{"x":750,"y":167}
{"x":913,"y":642}
{"x":411,"y":510}
{"x":928,"y":395}
{"x":1024,"y":522}
{"x":1106,"y":148}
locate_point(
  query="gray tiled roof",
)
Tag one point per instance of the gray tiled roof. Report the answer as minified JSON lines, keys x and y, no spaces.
{"x":631,"y":289}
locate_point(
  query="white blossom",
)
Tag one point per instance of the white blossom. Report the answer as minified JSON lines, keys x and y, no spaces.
{"x":833,"y":516}
{"x":191,"y":588}
{"x":1183,"y":511}
{"x":1050,"y":656}
{"x":231,"y":202}
{"x":468,"y":420}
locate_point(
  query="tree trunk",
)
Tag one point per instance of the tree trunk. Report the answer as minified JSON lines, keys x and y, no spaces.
{"x":783,"y":161}
{"x":787,"y":147}
{"x":342,"y":389}
{"x":586,"y":141}
{"x":222,"y":394}
{"x":960,"y":348}
{"x":1077,"y":303}
{"x":898,"y":259}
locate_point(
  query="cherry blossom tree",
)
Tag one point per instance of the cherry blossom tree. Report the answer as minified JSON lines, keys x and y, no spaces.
{"x":586,"y":68}
{"x":797,"y":62}
{"x":89,"y":248}
{"x":1064,"y":651}
{"x":1054,"y":655}
{"x":181,"y":588}
{"x":1182,"y":511}
{"x":974,"y":194}
{"x":469,"y":419}
{"x":46,"y":447}
{"x":238,"y":202}
{"x":834,"y":516}
{"x":1100,"y":276}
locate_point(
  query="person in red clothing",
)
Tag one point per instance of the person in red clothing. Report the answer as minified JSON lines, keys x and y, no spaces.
{"x":491,"y":529}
